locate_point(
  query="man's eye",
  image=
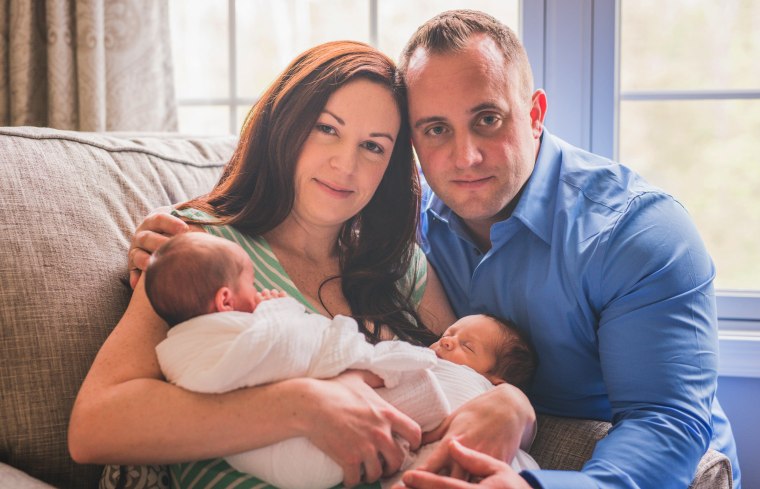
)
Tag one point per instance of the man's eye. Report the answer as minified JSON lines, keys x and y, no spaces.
{"x":489,"y":120}
{"x":436,"y":131}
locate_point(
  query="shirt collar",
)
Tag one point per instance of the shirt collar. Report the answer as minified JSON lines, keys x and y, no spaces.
{"x":536,"y":207}
{"x":539,"y":197}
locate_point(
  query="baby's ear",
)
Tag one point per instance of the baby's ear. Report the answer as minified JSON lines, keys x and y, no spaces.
{"x":224,"y":300}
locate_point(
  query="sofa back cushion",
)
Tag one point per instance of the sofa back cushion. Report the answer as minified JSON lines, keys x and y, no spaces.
{"x":70,"y":203}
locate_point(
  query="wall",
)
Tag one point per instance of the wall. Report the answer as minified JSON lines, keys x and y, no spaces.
{"x":740,"y":398}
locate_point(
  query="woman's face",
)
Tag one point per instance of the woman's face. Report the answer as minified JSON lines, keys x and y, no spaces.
{"x":346,"y":154}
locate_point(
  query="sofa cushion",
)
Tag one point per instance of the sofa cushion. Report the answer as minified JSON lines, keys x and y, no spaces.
{"x":70,"y":203}
{"x":566,"y":443}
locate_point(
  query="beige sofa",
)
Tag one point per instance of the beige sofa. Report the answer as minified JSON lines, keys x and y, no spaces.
{"x":70,"y":202}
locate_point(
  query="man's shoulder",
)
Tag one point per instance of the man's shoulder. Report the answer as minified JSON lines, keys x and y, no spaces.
{"x":600,"y":181}
{"x":596,"y":195}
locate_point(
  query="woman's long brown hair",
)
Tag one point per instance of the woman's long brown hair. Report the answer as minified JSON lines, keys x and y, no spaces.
{"x":256,"y":190}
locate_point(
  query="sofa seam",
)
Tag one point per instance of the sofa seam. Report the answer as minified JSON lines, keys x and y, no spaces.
{"x":115,"y":149}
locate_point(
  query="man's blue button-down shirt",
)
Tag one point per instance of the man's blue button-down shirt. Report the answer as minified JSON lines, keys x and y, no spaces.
{"x":611,"y":282}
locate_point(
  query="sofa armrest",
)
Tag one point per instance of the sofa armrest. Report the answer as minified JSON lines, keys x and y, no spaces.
{"x":12,"y":478}
{"x":567,"y":443}
{"x":713,"y":471}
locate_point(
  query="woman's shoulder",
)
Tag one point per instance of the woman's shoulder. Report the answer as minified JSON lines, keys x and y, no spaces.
{"x":212,"y":225}
{"x":193,"y":214}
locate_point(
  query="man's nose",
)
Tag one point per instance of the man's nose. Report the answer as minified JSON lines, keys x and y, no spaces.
{"x":467,"y":153}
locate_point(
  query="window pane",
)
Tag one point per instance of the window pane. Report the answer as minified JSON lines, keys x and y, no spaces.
{"x":272,"y":33}
{"x":689,"y":45}
{"x":242,"y":113}
{"x":199,"y":46}
{"x":707,"y":154}
{"x":398,"y":19}
{"x":203,"y":120}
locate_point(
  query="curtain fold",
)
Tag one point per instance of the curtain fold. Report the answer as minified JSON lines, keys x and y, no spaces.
{"x":87,"y":65}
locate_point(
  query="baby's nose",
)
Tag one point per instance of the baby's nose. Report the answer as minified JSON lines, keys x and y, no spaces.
{"x":447,"y":342}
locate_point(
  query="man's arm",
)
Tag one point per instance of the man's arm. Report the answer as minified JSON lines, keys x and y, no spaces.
{"x":657,"y":342}
{"x":153,"y":231}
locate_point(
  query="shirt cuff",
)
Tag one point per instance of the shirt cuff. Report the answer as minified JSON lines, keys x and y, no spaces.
{"x":564,"y":479}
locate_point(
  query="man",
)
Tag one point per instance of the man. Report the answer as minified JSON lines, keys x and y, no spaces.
{"x":605,"y":273}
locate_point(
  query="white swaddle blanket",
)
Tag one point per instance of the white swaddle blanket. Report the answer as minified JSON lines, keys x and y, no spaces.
{"x":220,"y":352}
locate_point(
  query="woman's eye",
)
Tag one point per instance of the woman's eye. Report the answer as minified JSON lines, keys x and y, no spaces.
{"x":374,"y":147}
{"x":324,"y":128}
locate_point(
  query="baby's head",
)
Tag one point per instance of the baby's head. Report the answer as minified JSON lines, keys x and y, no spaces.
{"x":490,"y":346}
{"x":197,"y":273}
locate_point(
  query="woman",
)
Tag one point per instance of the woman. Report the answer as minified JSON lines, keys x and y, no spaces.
{"x":323,"y":189}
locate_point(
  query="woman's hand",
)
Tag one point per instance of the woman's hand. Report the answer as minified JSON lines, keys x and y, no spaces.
{"x":483,"y":470}
{"x":496,"y":423}
{"x":355,"y":427}
{"x":153,"y":231}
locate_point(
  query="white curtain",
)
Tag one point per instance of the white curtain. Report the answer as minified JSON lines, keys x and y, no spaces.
{"x":87,"y":65}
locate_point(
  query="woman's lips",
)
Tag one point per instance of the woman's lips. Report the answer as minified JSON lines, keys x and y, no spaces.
{"x":334,"y":189}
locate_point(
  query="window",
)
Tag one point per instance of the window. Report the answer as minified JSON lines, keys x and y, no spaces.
{"x":690,"y":119}
{"x":226,"y":53}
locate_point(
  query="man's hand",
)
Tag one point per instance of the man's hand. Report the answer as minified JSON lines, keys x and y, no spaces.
{"x":483,"y":470}
{"x":154,"y":231}
{"x":496,"y":423}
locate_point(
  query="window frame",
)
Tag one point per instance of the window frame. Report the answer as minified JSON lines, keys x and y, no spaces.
{"x":574,"y":47}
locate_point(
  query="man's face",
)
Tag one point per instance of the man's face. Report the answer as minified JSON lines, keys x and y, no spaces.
{"x":475,"y":129}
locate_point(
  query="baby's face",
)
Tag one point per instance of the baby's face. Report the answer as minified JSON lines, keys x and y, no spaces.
{"x":471,"y":341}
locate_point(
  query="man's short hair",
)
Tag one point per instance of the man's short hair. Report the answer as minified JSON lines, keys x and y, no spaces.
{"x":448,"y":32}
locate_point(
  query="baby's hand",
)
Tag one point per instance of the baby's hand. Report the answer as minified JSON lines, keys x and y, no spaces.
{"x":267,"y":294}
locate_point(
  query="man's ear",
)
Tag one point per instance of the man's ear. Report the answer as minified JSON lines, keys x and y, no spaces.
{"x":224,"y":300}
{"x":538,"y":112}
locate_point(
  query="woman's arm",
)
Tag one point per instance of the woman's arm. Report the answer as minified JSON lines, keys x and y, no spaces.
{"x":126,"y":413}
{"x":434,"y":309}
